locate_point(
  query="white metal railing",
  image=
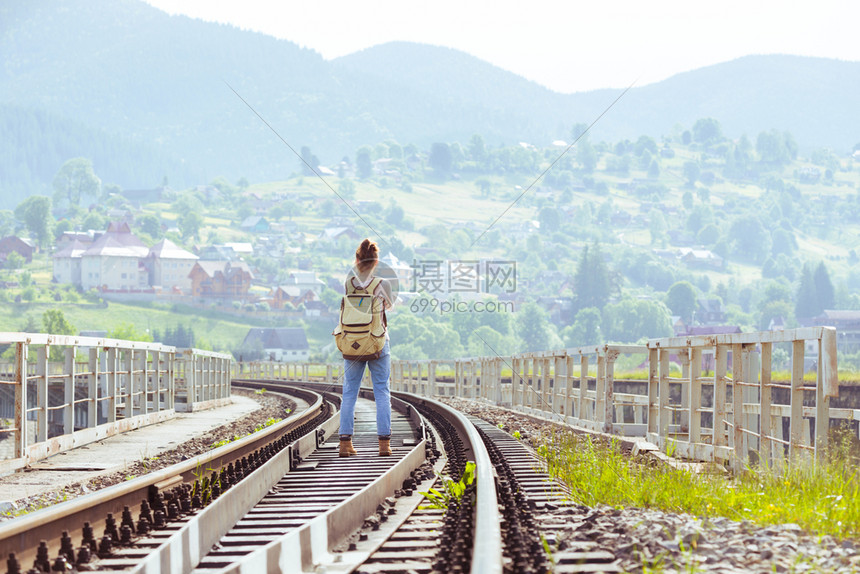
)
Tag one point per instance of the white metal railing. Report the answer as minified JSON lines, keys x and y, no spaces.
{"x":728,"y":412}
{"x":288,"y":371}
{"x":684,"y":402}
{"x":63,"y":391}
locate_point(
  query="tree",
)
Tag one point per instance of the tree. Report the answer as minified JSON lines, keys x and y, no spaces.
{"x":189,"y":224}
{"x":591,"y":279}
{"x":549,"y":219}
{"x":363,"y":163}
{"x":749,"y":237}
{"x":128,"y":332}
{"x":485,"y":185}
{"x":75,"y":179}
{"x":681,"y":299}
{"x":533,"y":327}
{"x":657,"y":227}
{"x":477,"y":150}
{"x":440,"y":159}
{"x":707,"y":131}
{"x":631,"y":319}
{"x":806,"y":304}
{"x":586,"y":155}
{"x":585,"y":329}
{"x":687,"y":200}
{"x":7,"y":222}
{"x":825,"y":295}
{"x":775,"y":148}
{"x":15,"y":260}
{"x":149,"y":224}
{"x":54,"y":322}
{"x":691,"y":172}
{"x":35,"y":212}
{"x":310,"y":162}
{"x":579,"y":132}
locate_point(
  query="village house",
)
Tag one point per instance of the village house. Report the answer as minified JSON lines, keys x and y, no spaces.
{"x":292,"y":294}
{"x":255,"y":224}
{"x":67,"y":262}
{"x":170,"y":266}
{"x":332,"y":234}
{"x":709,"y":311}
{"x":13,"y":244}
{"x":400,"y":275}
{"x":700,"y":258}
{"x":305,"y":280}
{"x":279,"y":344}
{"x":221,"y":280}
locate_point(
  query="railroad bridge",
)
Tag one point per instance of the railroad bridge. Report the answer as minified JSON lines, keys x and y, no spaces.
{"x":281,"y":499}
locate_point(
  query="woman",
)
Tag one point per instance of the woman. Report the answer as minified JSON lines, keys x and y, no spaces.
{"x":366,"y":260}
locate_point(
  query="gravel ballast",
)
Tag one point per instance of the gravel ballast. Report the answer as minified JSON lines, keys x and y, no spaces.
{"x":271,"y":406}
{"x":653,"y":540}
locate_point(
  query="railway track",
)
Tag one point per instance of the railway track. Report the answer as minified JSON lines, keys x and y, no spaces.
{"x":282,"y":500}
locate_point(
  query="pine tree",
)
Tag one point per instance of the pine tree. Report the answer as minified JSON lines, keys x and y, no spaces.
{"x":591,"y":279}
{"x":806,"y":303}
{"x":825,"y":294}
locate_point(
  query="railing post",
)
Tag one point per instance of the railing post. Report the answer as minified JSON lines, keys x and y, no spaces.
{"x":583,"y":387}
{"x":695,"y":397}
{"x":738,"y":378}
{"x":720,"y":362}
{"x":21,"y":399}
{"x":42,"y":393}
{"x":69,"y":392}
{"x":170,"y":365}
{"x":155,"y":369}
{"x":609,"y":389}
{"x":654,"y":392}
{"x":664,"y":416}
{"x":795,"y":424}
{"x":111,"y":380}
{"x":568,"y":389}
{"x":600,"y":392}
{"x":684,"y":419}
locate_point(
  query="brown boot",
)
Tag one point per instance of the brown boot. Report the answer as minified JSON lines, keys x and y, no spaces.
{"x":346,"y":448}
{"x":384,"y":447}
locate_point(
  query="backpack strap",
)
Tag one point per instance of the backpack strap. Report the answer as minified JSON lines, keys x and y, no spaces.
{"x":351,"y":289}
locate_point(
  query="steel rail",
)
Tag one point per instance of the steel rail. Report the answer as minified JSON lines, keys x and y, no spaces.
{"x":310,"y":544}
{"x":487,"y":557}
{"x":487,"y":546}
{"x":22,"y":535}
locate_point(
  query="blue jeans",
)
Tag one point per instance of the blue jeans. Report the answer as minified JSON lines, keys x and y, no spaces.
{"x":353,"y":372}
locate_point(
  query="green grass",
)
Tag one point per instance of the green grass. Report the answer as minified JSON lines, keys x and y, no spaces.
{"x":822,"y":499}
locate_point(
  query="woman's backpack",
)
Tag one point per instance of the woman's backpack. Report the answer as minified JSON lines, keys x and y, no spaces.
{"x":360,"y":333}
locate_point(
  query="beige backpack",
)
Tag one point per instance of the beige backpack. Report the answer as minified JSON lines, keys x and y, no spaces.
{"x":360,"y":333}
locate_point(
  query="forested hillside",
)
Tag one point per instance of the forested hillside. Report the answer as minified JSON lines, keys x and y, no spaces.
{"x":125,"y":76}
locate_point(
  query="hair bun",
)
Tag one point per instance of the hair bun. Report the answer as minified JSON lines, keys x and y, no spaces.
{"x":367,"y":250}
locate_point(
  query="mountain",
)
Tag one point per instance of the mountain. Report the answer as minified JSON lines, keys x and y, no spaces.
{"x":153,"y":88}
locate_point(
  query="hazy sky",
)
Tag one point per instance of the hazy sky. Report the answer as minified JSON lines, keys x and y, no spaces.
{"x":564,"y":45}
